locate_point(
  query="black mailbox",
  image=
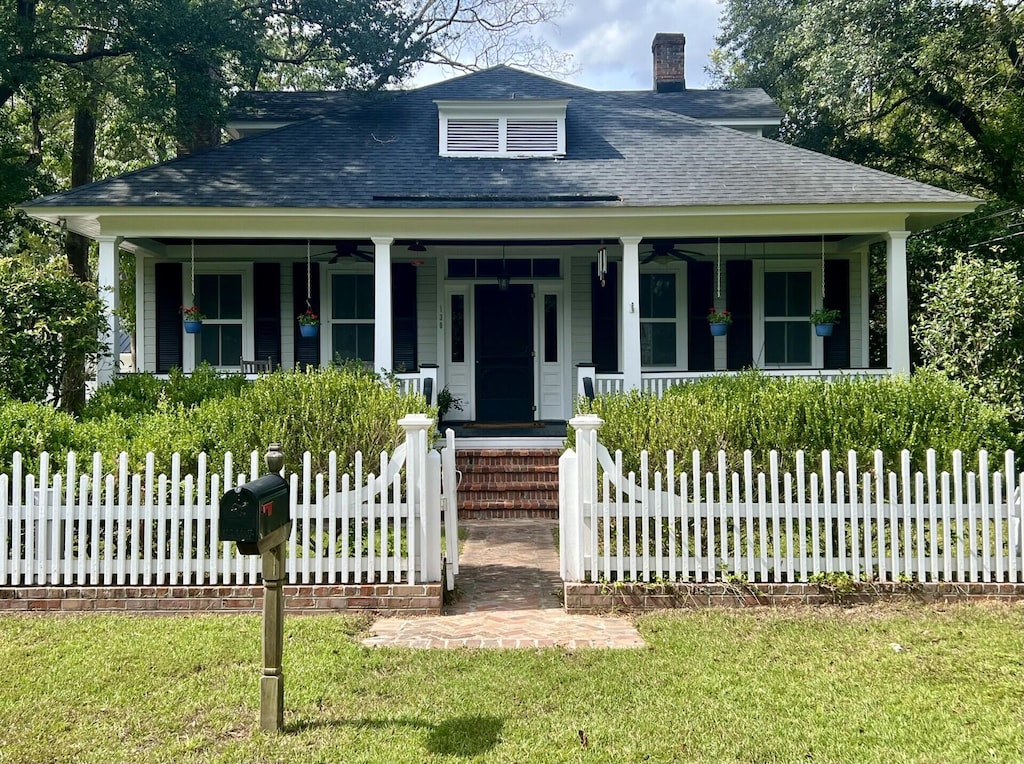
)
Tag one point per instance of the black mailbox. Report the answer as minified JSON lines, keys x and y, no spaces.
{"x":256,"y":515}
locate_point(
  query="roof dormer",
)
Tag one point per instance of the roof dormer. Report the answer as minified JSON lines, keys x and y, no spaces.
{"x":516,"y":127}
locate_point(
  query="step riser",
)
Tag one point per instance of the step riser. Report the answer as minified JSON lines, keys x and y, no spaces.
{"x":508,"y":482}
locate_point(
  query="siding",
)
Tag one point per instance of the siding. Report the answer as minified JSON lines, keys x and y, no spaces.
{"x":426,"y":312}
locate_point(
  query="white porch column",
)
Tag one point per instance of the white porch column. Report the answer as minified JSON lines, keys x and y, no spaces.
{"x":631,"y":311}
{"x":382,"y":329}
{"x":897,"y":320}
{"x":140,"y":312}
{"x":108,"y":362}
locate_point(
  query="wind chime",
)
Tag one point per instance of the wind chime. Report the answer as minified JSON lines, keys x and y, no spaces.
{"x":309,"y":322}
{"x":191,"y":315}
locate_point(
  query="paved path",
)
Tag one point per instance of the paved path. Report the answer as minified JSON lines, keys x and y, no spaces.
{"x":509,"y":596}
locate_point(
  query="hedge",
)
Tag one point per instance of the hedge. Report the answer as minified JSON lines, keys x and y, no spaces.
{"x":754,"y":411}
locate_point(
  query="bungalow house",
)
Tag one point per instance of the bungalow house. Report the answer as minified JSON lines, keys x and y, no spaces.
{"x":508,"y":229}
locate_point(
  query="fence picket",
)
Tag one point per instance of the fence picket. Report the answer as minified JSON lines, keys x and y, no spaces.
{"x":958,"y":498}
{"x":108,"y":532}
{"x":984,"y":477}
{"x":801,"y":502}
{"x":826,"y":488}
{"x":709,"y":496}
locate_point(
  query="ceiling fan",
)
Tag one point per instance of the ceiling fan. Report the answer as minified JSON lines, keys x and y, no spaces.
{"x":668,"y":249}
{"x":346,"y":249}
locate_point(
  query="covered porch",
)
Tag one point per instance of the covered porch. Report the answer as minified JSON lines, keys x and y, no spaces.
{"x":510,"y":326}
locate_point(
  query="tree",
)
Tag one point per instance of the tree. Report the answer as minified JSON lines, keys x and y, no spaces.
{"x":931,"y":89}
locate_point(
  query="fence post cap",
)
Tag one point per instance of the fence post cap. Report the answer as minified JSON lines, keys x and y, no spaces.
{"x":414,"y":422}
{"x":586,"y":422}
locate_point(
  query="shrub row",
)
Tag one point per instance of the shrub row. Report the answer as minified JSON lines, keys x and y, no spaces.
{"x":344,"y":410}
{"x":761,"y":413}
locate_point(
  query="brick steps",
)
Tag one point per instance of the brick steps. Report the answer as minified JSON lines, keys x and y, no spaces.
{"x":508,"y":482}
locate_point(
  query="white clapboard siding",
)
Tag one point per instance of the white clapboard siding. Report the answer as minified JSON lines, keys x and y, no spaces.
{"x":78,"y":527}
{"x":704,"y":521}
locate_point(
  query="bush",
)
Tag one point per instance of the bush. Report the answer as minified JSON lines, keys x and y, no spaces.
{"x":48,"y":318}
{"x":127,"y":395}
{"x":31,"y":428}
{"x":760,"y":413}
{"x":972,"y":327}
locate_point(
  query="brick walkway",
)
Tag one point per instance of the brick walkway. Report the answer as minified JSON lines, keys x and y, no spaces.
{"x":509,"y":596}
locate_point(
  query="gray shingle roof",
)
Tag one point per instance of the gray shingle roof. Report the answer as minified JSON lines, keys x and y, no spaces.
{"x":621,"y":151}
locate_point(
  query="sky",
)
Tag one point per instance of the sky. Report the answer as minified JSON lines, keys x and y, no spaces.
{"x":610,"y":41}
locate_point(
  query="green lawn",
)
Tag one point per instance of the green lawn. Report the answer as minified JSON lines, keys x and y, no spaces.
{"x":801,"y":685}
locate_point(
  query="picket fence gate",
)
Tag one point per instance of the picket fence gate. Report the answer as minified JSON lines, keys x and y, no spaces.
{"x":707,"y":525}
{"x":88,"y":528}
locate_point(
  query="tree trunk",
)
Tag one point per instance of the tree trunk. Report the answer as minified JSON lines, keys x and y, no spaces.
{"x":83,"y":163}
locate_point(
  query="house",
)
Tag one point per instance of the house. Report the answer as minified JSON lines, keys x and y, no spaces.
{"x":509,"y":229}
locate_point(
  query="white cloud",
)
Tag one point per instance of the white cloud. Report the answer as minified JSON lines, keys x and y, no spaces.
{"x":610,"y":40}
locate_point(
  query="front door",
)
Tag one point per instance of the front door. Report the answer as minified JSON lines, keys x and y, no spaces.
{"x":504,"y":353}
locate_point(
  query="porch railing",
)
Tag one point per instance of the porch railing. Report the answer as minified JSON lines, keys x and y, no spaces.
{"x":658,"y":382}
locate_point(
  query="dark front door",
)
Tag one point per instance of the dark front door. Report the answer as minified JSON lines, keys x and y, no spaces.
{"x":504,"y":353}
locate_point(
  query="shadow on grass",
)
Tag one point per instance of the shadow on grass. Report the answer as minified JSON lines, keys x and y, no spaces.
{"x":461,"y":736}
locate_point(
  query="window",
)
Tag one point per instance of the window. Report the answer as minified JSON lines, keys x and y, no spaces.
{"x":219,"y":297}
{"x":550,"y":328}
{"x":787,"y":308}
{"x":352,"y":316}
{"x":658,"y":319}
{"x":458,"y":328}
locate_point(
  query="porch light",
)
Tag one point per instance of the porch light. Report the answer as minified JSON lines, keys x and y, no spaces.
{"x":417,"y":246}
{"x":504,"y":279}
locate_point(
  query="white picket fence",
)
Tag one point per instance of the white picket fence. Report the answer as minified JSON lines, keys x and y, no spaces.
{"x":79,"y":527}
{"x":708,"y":523}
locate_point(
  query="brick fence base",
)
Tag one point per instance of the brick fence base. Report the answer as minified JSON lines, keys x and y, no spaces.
{"x":589,"y":598}
{"x":419,"y":599}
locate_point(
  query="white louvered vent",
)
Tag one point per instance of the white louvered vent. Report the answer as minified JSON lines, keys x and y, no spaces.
{"x":473,"y":136}
{"x":532,"y":136}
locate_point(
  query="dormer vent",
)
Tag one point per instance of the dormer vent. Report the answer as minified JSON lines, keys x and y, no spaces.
{"x":507,"y":128}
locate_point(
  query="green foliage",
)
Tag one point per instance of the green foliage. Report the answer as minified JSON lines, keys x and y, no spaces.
{"x":31,"y":428}
{"x":338,"y":409}
{"x":972,"y":328}
{"x":932,"y":89}
{"x":760,"y":413}
{"x":46,"y":317}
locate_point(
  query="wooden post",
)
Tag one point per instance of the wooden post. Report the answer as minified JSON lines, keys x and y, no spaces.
{"x":272,"y":681}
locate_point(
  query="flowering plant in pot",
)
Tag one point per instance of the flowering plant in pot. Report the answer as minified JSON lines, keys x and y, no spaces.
{"x":309,"y":323}
{"x":719,"y":321}
{"x":192,"y":317}
{"x":824,"y":319}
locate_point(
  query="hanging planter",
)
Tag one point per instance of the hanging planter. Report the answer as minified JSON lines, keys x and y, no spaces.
{"x":718,"y":322}
{"x":824,"y":320}
{"x":309,"y":324}
{"x":192,"y":318}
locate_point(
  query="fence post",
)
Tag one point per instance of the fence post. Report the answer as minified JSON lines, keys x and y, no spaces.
{"x":416,"y":426}
{"x":570,"y":530}
{"x":586,"y":427}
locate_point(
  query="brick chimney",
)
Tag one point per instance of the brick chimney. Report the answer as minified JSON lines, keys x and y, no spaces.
{"x":669,"y":58}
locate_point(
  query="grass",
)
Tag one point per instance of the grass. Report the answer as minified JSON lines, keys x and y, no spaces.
{"x":786,"y":685}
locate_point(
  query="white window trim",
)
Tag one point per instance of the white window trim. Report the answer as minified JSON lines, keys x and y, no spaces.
{"x":501,"y":110}
{"x":327,"y":321}
{"x":788,"y":265}
{"x":681,"y":320}
{"x":189,"y":354}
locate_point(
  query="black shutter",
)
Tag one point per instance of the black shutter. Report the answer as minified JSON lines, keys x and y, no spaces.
{"x":307,"y":349}
{"x":266,"y":297}
{"x":168,"y":316}
{"x":700,"y":296}
{"x":403,"y":317}
{"x":837,"y":297}
{"x":739,"y":278}
{"x":604,"y":319}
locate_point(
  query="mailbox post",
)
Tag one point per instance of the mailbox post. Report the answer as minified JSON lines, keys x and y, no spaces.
{"x":257,"y":517}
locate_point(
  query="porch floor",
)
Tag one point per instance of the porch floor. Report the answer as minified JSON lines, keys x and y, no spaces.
{"x":509,"y":594}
